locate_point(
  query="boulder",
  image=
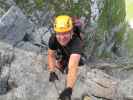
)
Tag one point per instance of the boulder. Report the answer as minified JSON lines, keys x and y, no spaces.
{"x":101,"y":84}
{"x":6,"y":58}
{"x":28,"y":46}
{"x":13,"y":26}
{"x":40,"y":35}
{"x":126,"y":88}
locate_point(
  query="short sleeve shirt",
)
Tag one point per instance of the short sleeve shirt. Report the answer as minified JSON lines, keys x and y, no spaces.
{"x":73,"y":47}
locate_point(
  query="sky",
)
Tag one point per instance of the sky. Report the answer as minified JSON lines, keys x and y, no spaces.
{"x":129,"y":12}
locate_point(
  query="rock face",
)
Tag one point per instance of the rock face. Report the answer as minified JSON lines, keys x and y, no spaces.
{"x":17,"y":30}
{"x":40,"y":35}
{"x":25,"y":77}
{"x":30,"y":75}
{"x":127,"y":89}
{"x":6,"y":57}
{"x":97,"y":83}
{"x":13,"y":26}
{"x":29,"y":79}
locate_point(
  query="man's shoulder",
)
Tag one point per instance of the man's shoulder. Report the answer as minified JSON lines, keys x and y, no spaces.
{"x":52,"y":38}
{"x":53,"y":44}
{"x":76,"y":40}
{"x":75,"y":44}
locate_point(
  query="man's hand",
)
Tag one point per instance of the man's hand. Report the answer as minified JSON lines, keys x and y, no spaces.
{"x":53,"y":77}
{"x":66,"y":94}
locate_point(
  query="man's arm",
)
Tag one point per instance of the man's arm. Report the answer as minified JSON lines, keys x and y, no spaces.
{"x":51,"y":60}
{"x":72,"y":69}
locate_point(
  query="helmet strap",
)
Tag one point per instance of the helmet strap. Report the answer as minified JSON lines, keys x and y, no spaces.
{"x":71,"y":34}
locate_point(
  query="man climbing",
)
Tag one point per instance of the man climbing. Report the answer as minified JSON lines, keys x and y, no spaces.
{"x":69,"y":45}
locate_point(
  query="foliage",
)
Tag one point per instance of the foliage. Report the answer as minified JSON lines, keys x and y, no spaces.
{"x":29,"y":6}
{"x":130,"y":41}
{"x":25,"y":5}
{"x":113,"y":14}
{"x":129,"y":17}
{"x":129,"y":9}
{"x":39,"y":4}
{"x":70,"y":8}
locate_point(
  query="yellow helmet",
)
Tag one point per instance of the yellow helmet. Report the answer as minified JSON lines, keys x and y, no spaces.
{"x":63,"y":23}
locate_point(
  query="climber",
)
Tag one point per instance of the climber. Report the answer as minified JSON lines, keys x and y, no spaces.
{"x":64,"y":53}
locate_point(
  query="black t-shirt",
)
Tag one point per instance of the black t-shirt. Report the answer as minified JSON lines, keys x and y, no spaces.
{"x":73,"y":47}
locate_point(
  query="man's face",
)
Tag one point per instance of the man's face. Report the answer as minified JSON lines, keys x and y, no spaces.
{"x":64,"y":38}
